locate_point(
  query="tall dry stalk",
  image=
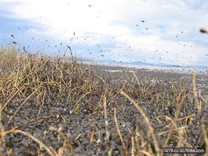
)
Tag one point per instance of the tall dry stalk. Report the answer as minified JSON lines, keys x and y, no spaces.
{"x":150,"y":128}
{"x":197,"y":104}
{"x":2,"y":136}
{"x":106,"y":118}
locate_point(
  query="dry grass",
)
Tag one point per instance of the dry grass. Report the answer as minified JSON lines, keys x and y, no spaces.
{"x":169,"y":111}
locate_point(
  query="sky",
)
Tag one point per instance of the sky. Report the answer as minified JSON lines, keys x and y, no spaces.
{"x":164,"y":32}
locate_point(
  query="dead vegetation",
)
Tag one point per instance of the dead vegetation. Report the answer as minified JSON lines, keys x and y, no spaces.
{"x":56,"y":107}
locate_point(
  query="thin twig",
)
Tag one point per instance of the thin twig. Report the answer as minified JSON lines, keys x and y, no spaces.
{"x":132,"y":146}
{"x":11,"y":98}
{"x":50,"y":151}
{"x":22,"y":105}
{"x":120,"y":135}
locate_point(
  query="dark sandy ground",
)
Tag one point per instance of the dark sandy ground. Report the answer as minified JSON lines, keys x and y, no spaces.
{"x":85,"y":129}
{"x":160,"y":75}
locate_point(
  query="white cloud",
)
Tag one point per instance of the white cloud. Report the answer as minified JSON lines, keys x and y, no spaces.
{"x":102,"y":20}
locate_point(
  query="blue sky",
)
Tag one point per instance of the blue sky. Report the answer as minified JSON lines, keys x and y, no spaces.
{"x":150,"y":31}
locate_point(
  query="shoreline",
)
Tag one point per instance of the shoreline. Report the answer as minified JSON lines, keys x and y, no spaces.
{"x":179,"y":70}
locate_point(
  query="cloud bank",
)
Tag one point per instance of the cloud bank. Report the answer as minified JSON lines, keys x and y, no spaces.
{"x":121,"y":30}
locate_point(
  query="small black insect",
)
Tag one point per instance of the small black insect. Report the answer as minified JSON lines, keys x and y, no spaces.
{"x":203,"y":30}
